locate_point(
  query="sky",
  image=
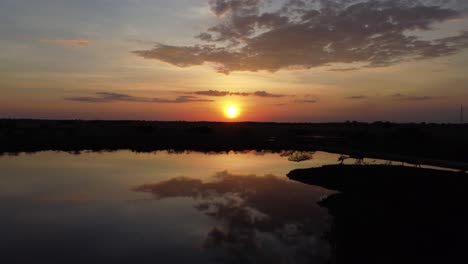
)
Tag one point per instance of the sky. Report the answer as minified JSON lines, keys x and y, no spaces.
{"x":273,"y":60}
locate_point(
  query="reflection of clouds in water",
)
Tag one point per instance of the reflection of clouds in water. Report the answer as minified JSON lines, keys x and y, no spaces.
{"x":260,"y":219}
{"x":297,"y":156}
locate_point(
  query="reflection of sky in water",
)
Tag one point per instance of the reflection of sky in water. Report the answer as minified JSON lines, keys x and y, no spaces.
{"x":123,"y":207}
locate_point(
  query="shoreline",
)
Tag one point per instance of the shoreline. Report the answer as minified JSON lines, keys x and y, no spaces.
{"x":439,"y":145}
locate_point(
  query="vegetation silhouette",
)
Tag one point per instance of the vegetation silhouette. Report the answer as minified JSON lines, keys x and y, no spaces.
{"x":393,"y":214}
{"x":433,"y":144}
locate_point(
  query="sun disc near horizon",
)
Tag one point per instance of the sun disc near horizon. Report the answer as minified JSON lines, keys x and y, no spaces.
{"x":231,"y":112}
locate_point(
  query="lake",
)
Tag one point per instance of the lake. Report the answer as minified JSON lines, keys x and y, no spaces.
{"x":161,"y":207}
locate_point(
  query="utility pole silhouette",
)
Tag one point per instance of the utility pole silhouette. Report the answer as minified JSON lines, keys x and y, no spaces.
{"x":461,"y":115}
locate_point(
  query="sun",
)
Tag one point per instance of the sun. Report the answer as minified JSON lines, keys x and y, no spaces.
{"x":231,"y":111}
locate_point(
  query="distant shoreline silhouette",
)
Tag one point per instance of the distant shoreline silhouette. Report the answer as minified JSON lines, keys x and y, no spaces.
{"x":432,"y":144}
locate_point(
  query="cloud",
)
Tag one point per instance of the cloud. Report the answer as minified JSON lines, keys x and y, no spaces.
{"x":356,"y":97}
{"x":221,"y":7}
{"x":217,"y":93}
{"x":265,"y":94}
{"x":306,"y":101}
{"x":240,"y":94}
{"x":67,"y":42}
{"x":106,"y":97}
{"x":213,"y":93}
{"x":415,"y":98}
{"x":344,"y":69}
{"x":304,"y":34}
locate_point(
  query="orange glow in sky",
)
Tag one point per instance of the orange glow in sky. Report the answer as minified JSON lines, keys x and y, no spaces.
{"x":259,"y":74}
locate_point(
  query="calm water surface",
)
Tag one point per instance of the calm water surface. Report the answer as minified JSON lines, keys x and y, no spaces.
{"x":125,"y":207}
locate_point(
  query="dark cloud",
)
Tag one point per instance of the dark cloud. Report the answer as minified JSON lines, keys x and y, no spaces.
{"x":356,"y":97}
{"x":265,"y":94}
{"x":106,"y":97}
{"x":310,"y":33}
{"x":221,"y":7}
{"x":240,"y":94}
{"x":227,"y":93}
{"x":344,"y":69}
{"x":212,"y":93}
{"x":305,"y":101}
{"x":415,"y":98}
{"x":308,"y":99}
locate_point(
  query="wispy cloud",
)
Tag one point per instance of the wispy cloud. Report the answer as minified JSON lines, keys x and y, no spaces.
{"x":77,"y":42}
{"x":307,"y":34}
{"x":306,"y":101}
{"x":415,"y":98}
{"x":265,"y":94}
{"x":356,"y":97}
{"x":107,"y":97}
{"x":213,"y":93}
{"x":217,"y":93}
{"x":344,"y":69}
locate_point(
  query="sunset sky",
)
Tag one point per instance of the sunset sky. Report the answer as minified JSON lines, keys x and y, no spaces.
{"x":275,"y":60}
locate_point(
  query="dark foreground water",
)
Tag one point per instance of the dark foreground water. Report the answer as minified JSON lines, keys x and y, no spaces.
{"x":124,"y":207}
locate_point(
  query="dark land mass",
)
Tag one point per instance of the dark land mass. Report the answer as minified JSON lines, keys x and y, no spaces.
{"x":393,"y":214}
{"x":404,"y":142}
